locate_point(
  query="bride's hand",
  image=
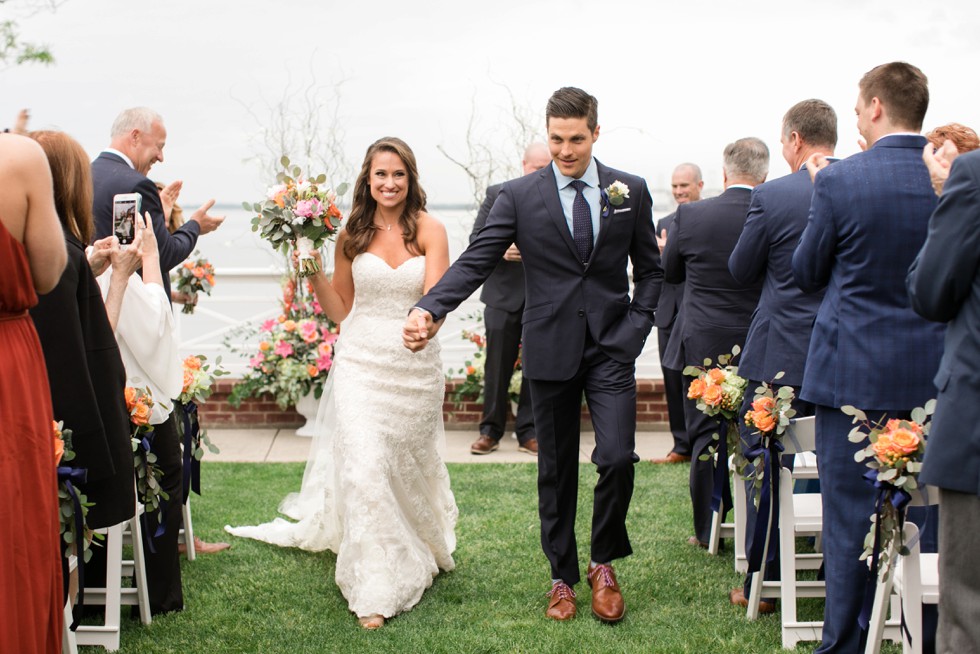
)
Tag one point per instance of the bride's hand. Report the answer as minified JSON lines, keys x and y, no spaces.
{"x":315,"y":254}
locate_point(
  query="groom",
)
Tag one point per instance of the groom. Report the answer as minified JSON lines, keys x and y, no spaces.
{"x":576,"y":223}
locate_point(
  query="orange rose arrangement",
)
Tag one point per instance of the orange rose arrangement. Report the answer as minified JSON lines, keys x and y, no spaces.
{"x":139,"y":403}
{"x":73,"y":506}
{"x":199,"y":376}
{"x":195,"y":276}
{"x":718,"y":392}
{"x":769,"y":416}
{"x":894,"y":457}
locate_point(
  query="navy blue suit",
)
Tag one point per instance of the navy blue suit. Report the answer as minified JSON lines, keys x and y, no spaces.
{"x":944,"y":285}
{"x":670,"y":298}
{"x":714,"y":316}
{"x":110,"y":176}
{"x":779,"y":335}
{"x":503,"y":295}
{"x":582,"y":331}
{"x":868,"y":220}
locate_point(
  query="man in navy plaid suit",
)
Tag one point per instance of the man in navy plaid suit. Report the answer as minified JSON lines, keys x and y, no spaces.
{"x":868,"y":220}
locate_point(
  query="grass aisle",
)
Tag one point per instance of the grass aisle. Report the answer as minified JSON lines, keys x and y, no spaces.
{"x":264,"y":599}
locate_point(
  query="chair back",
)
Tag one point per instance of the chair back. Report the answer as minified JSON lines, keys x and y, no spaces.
{"x":800,"y":436}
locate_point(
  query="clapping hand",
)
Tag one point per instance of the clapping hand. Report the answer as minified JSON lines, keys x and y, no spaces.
{"x":168,"y":197}
{"x":815,"y":163}
{"x":939,"y":163}
{"x":662,"y":239}
{"x":207,"y":222}
{"x":418,"y":327}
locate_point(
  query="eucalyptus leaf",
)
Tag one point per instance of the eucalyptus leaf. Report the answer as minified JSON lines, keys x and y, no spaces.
{"x":342,"y":188}
{"x":779,"y":375}
{"x":284,"y":161}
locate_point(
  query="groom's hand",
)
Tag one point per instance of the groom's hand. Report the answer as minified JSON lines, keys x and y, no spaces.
{"x":418,"y":327}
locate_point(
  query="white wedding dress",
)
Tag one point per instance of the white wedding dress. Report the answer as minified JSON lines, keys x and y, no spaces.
{"x":376,"y":490}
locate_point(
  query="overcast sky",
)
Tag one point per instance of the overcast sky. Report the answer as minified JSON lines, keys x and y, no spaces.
{"x":674,"y":83}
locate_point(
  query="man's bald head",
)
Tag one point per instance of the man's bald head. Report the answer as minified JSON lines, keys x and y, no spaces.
{"x":686,"y":183}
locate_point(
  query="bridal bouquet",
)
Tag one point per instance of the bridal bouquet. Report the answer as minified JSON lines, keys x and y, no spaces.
{"x":139,"y":403}
{"x":299,"y":212}
{"x":73,"y":506}
{"x":295,"y":351}
{"x":770,"y":417}
{"x":719,"y":391}
{"x":894,"y":458}
{"x":195,"y":276}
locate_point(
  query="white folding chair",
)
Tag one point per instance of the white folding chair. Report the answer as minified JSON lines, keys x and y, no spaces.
{"x":68,"y":644}
{"x":800,"y":515}
{"x":738,"y":518}
{"x":186,"y":533}
{"x":721,"y":530}
{"x":914,"y":581}
{"x":114,"y":595}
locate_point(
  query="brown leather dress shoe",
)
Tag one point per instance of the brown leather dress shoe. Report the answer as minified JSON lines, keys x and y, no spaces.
{"x":672,"y":457}
{"x":607,"y":599}
{"x":530,"y":446}
{"x":562,"y":604}
{"x":484,"y":445}
{"x":737,"y":597}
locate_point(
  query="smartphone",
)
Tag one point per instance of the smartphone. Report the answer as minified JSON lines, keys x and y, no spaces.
{"x":125,"y":207}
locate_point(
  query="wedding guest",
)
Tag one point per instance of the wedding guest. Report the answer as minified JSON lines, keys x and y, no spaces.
{"x":686,"y":186}
{"x":716,"y":311}
{"x":503,"y":295}
{"x":944,"y":285}
{"x":964,"y":138}
{"x":868,"y":349}
{"x":582,"y":333}
{"x":85,"y":370}
{"x":146,"y":333}
{"x":32,"y":258}
{"x":779,"y":334}
{"x":137,"y":140}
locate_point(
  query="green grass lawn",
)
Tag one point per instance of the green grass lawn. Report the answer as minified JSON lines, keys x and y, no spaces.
{"x":261,"y":598}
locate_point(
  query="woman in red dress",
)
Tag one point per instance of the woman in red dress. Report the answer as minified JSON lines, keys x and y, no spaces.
{"x":32,"y":257}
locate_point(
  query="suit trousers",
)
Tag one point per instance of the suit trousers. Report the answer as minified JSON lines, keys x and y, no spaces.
{"x":848,"y":503}
{"x":701,"y":479}
{"x":675,"y":395}
{"x":959,"y":575}
{"x":503,"y":330}
{"x":163,"y":565}
{"x":610,"y":391}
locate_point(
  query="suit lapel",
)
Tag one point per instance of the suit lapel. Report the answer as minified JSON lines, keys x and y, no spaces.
{"x":548,"y":188}
{"x":605,"y":211}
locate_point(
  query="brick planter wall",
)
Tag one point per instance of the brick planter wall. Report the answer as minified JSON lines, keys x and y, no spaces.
{"x":651,"y":410}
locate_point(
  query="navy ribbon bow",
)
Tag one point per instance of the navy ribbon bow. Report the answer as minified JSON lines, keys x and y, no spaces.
{"x":720,"y":480}
{"x":899,"y":498}
{"x":67,"y":474}
{"x":764,"y":536}
{"x":192,"y":466}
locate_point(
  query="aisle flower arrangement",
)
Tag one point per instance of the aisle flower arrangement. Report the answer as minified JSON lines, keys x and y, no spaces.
{"x":139,"y":403}
{"x":295,"y":352}
{"x":718,"y":391}
{"x":199,"y":376}
{"x":73,"y":506}
{"x":195,"y":276}
{"x":894,"y":457}
{"x":298,"y":212}
{"x":472,"y":372}
{"x":769,"y":417}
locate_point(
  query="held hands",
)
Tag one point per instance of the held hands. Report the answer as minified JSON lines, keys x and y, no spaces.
{"x":939,"y":163}
{"x":207,"y":222}
{"x":417,"y":330}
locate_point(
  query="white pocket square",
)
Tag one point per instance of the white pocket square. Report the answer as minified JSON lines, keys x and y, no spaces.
{"x":623,"y":210}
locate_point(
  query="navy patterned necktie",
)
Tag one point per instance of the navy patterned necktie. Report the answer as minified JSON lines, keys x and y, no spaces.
{"x":581,"y":222}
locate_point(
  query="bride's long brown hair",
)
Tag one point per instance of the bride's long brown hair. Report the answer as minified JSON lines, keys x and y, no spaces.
{"x":360,"y":225}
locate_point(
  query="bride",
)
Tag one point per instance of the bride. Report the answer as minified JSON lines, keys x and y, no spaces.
{"x":376,"y":490}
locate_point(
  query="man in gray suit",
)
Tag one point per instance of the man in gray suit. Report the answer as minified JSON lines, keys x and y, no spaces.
{"x":503,"y":295}
{"x":686,"y":185}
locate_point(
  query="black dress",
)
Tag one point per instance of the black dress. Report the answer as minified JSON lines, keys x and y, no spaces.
{"x":88,"y":380}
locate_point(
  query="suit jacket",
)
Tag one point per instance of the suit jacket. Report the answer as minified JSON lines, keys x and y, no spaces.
{"x":564,"y":296}
{"x":670,"y":294}
{"x":504,"y":288}
{"x":944,"y":285}
{"x":715,"y":311}
{"x":112,"y":175}
{"x":868,"y":220}
{"x":87,"y":379}
{"x":779,"y":335}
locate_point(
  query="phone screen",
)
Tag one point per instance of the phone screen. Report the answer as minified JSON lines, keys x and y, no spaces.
{"x":124,"y":219}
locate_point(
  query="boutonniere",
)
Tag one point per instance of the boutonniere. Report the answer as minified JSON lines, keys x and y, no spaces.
{"x":617,"y":193}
